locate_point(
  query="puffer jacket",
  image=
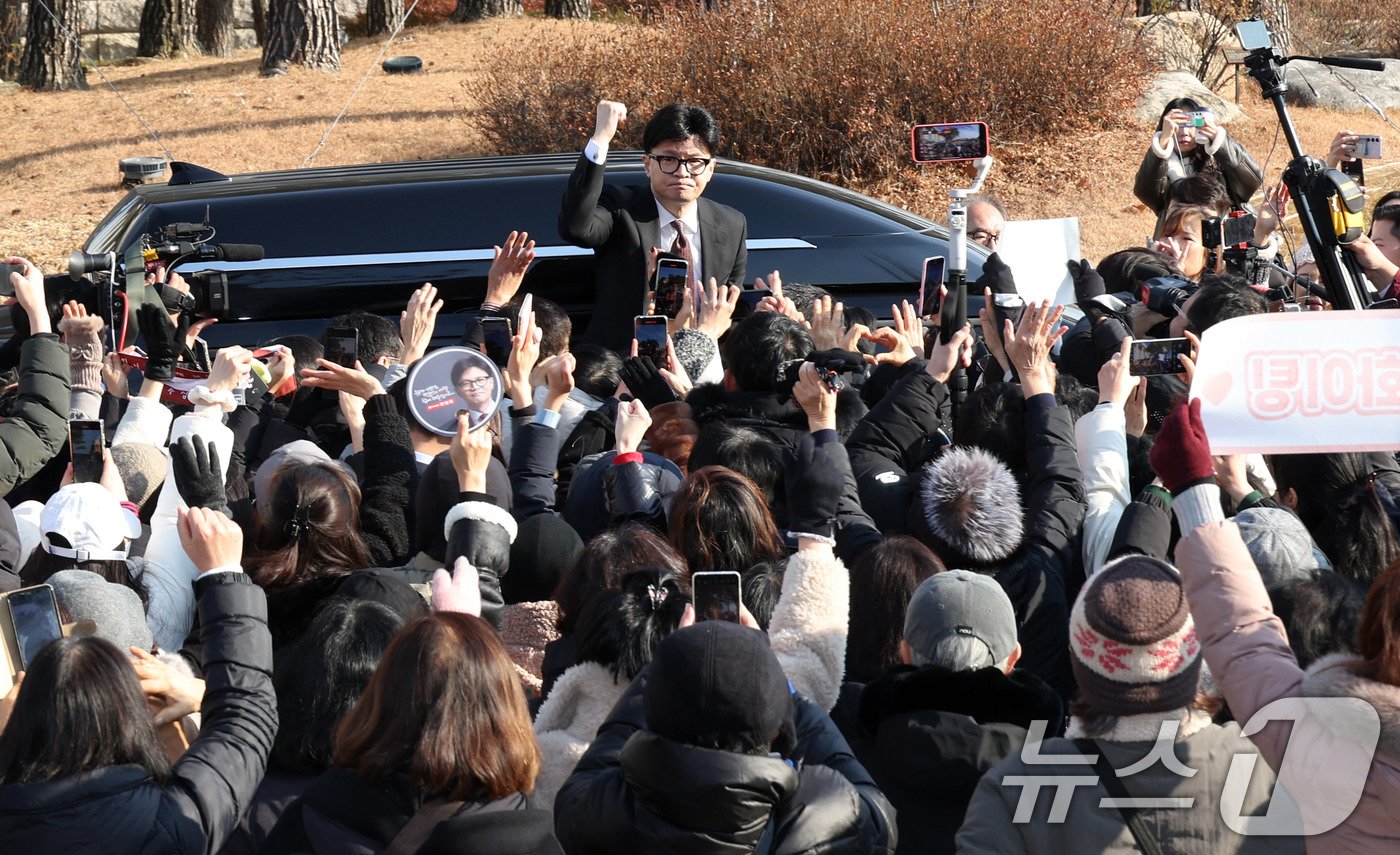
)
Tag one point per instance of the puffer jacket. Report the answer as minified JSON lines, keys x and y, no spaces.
{"x":38,"y":422}
{"x":901,"y":435}
{"x":342,"y":815}
{"x":1089,"y":826}
{"x":120,"y":809}
{"x":636,"y":791}
{"x":927,"y":735}
{"x":1247,"y":649}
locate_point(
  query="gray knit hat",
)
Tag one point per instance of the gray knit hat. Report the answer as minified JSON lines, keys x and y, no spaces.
{"x":696,"y":351}
{"x":970,"y":506}
{"x":1280,"y":544}
{"x":1133,"y":644}
{"x":116,"y":609}
{"x":142,"y":467}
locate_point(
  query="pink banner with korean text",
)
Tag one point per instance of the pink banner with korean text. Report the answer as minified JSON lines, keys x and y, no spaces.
{"x":1301,"y":382}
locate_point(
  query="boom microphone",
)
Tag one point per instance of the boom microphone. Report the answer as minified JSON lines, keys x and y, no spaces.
{"x":231,"y":252}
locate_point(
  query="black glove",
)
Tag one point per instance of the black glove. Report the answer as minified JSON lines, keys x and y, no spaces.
{"x":645,"y":382}
{"x":995,"y":275}
{"x":164,"y":342}
{"x":198,"y":475}
{"x":1088,"y":284}
{"x":815,"y":477}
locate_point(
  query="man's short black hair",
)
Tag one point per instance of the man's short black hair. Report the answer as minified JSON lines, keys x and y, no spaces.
{"x":596,"y":370}
{"x":379,"y":337}
{"x":555,"y":325}
{"x":681,"y":122}
{"x":1387,"y":214}
{"x":755,"y":350}
{"x":1221,"y":298}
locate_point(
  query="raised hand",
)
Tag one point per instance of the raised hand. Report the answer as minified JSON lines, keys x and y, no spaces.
{"x":417,"y":323}
{"x":332,"y":375}
{"x":610,"y":115}
{"x":508,"y":268}
{"x":210,"y":539}
{"x":1029,"y":346}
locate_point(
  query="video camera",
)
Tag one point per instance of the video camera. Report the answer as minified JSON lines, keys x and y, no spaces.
{"x":1229,"y":237}
{"x":173,"y":245}
{"x":1165,"y":295}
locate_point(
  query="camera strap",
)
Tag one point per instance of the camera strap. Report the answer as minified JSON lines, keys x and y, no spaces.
{"x":173,"y":299}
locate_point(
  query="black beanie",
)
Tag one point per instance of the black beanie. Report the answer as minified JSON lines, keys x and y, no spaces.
{"x":438,"y":492}
{"x":718,"y":680}
{"x":544,"y":549}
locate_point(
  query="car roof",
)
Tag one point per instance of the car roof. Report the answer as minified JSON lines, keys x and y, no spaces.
{"x":400,"y":172}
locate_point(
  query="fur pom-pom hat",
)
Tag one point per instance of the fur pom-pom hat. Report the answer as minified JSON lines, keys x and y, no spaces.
{"x":969,"y":501}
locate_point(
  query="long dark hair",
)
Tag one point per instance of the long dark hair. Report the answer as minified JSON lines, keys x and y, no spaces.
{"x":311,"y":527}
{"x":620,"y":629}
{"x":883,"y":580}
{"x":606,"y":559}
{"x":42,"y":564}
{"x":79,"y":709}
{"x":320,"y":677}
{"x":1338,"y":502}
{"x":719,"y":521}
{"x":445,"y":707}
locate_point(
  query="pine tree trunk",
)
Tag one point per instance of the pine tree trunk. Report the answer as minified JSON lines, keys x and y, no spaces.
{"x":11,"y":31}
{"x":301,"y":32}
{"x":50,"y":62}
{"x":260,"y":21}
{"x":582,"y":9}
{"x":383,"y":16}
{"x":214,"y":26}
{"x":476,"y":10}
{"x":167,"y":28}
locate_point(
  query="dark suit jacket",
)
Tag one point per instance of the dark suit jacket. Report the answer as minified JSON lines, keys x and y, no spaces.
{"x":620,"y":225}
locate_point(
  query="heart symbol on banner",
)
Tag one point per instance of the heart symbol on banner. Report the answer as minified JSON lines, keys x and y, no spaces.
{"x":1217,"y":388}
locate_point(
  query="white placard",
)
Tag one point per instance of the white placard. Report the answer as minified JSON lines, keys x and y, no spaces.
{"x":1036,"y":252}
{"x":1299,"y":382}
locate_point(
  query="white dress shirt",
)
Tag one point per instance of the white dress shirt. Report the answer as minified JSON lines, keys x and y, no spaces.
{"x":667,"y":233}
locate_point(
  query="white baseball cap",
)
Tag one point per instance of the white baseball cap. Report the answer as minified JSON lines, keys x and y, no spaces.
{"x":91,"y":520}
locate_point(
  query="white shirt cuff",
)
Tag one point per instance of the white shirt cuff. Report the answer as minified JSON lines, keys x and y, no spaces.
{"x":596,"y":153}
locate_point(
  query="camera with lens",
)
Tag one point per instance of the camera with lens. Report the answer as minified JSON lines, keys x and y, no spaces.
{"x":174,"y":245}
{"x":1165,"y":295}
{"x":1229,"y":237}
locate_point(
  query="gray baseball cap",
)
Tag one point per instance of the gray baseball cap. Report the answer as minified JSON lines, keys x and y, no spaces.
{"x":960,"y":603}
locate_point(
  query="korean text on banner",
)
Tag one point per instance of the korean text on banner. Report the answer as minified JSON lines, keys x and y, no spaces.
{"x":1301,"y":382}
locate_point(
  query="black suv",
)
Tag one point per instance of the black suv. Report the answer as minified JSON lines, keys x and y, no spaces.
{"x":364,"y":237}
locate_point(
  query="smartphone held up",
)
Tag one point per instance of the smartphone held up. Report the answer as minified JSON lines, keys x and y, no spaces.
{"x":1157,"y":356}
{"x":717,"y":595}
{"x":949,"y":143}
{"x":651,"y":334}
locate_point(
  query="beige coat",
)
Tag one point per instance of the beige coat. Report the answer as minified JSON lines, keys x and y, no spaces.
{"x":1248,"y":652}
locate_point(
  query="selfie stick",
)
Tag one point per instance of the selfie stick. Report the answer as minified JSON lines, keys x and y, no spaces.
{"x":954,"y":313}
{"x":1321,"y":194}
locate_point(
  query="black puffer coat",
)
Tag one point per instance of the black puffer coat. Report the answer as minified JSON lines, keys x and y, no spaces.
{"x":635,"y":791}
{"x":121,"y":809}
{"x":340,"y":814}
{"x":926,"y":735}
{"x":37,"y":425}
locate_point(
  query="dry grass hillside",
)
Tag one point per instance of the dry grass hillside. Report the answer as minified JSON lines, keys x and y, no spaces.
{"x":61,"y":150}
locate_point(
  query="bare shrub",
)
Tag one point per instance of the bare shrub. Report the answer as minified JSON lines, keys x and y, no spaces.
{"x":828,"y":88}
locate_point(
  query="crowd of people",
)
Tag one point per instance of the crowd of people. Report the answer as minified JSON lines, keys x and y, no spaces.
{"x":1035,"y":617}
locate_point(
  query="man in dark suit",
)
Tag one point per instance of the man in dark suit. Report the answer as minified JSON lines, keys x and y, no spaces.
{"x":626,"y":226}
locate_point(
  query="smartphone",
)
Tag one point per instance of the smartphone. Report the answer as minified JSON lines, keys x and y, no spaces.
{"x":342,"y":345}
{"x":752,"y":297}
{"x":1253,"y":34}
{"x":85,"y":444}
{"x":7,"y":289}
{"x":1356,"y":170}
{"x":650,"y":332}
{"x":949,"y":143}
{"x":34,"y":615}
{"x":1153,"y":356}
{"x":669,"y":286}
{"x":1008,"y":307}
{"x":931,"y":285}
{"x":716,"y":595}
{"x":1367,"y":147}
{"x":497,"y":333}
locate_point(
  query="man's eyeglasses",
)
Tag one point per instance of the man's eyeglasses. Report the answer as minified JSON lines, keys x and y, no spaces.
{"x":983,"y":236}
{"x":669,"y":164}
{"x":479,"y":383}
